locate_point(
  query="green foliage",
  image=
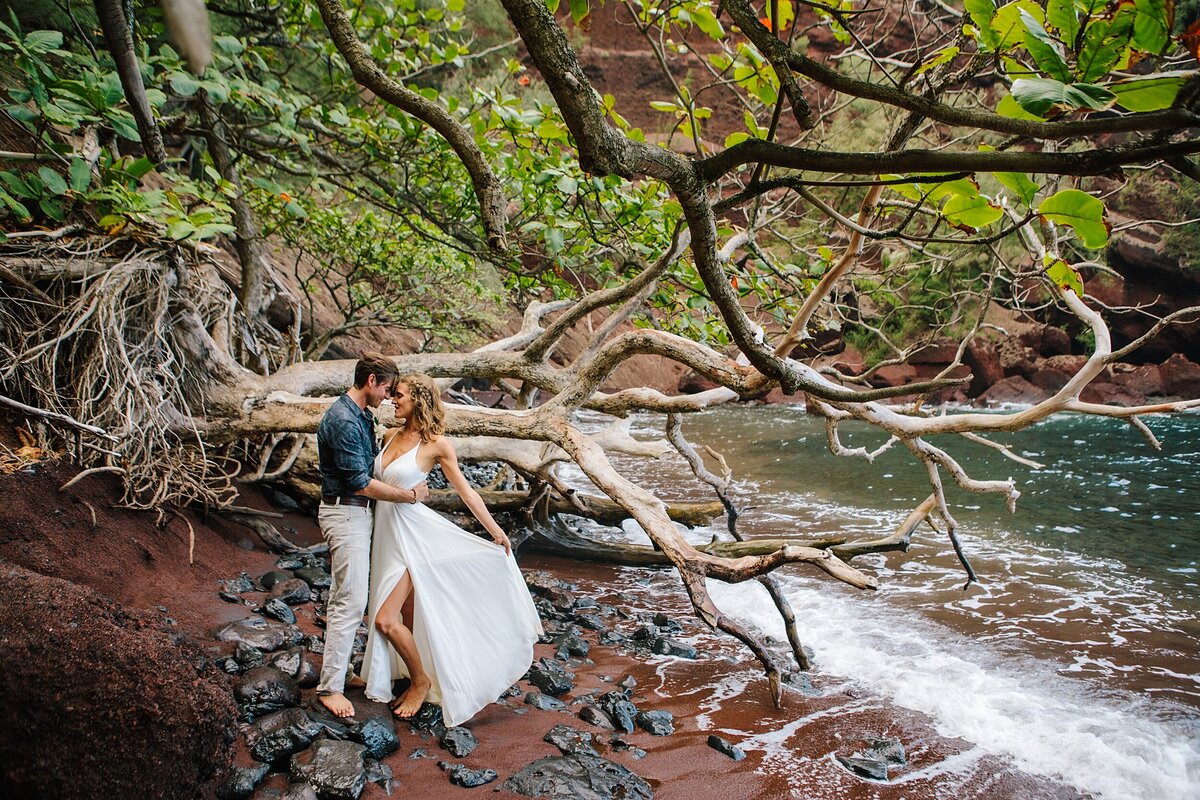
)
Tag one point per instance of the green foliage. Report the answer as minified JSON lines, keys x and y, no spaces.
{"x":1080,"y":211}
{"x":109,"y":193}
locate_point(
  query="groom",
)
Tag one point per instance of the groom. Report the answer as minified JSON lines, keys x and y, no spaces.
{"x":346,"y":449}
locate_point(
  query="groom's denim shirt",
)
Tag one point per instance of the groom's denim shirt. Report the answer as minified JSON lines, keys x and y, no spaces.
{"x":346,"y":447}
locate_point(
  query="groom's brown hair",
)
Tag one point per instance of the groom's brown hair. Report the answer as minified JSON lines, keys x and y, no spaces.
{"x":377,"y":364}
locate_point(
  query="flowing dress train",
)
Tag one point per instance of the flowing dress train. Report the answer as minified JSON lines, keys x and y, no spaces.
{"x":474,"y":621}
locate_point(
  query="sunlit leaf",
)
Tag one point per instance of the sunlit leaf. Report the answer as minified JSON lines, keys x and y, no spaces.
{"x":981,"y":12}
{"x":1064,"y":275}
{"x":1080,"y":211}
{"x":1009,"y":26}
{"x":946,"y":55}
{"x":1061,"y":15}
{"x":973,"y":212}
{"x":1152,"y":25}
{"x":1020,"y":184}
{"x":1152,"y":93}
{"x":1009,"y":107}
{"x":1104,"y":43}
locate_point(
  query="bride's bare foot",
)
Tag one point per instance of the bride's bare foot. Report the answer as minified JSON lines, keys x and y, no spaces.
{"x":355,"y":682}
{"x":337,"y":704}
{"x":410,"y":702}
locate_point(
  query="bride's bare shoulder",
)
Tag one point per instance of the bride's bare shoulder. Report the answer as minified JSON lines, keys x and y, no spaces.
{"x":441,"y":445}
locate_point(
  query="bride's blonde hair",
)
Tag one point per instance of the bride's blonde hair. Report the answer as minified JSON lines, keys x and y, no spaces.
{"x":429,"y":415}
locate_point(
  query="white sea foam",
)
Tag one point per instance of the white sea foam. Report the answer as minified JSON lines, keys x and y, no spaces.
{"x":1021,"y":709}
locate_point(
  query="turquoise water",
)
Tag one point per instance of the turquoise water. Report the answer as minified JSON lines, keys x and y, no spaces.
{"x":1077,"y":655}
{"x":1102,"y":490}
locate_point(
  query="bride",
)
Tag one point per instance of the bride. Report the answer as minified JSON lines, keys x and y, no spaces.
{"x":448,"y":610}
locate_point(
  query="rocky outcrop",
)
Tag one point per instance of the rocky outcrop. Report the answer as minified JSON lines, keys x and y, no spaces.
{"x":1037,"y":364}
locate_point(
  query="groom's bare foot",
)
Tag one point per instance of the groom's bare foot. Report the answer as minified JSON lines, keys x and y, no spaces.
{"x":410,"y":702}
{"x":337,"y":704}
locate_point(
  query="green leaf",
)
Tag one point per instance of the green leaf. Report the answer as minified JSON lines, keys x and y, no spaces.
{"x":56,"y":183}
{"x":122,"y":122}
{"x":1152,"y":93}
{"x":1105,"y":42}
{"x":295,"y":209}
{"x":581,"y":13}
{"x":214,"y":229}
{"x":945,"y":55}
{"x":183,"y":84}
{"x":17,"y":186}
{"x":707,"y":21}
{"x":43,"y":41}
{"x":1064,"y":275}
{"x":16,"y":206}
{"x":1009,"y":26}
{"x":1152,"y":25}
{"x":567,"y":185}
{"x":662,"y":105}
{"x":1041,"y":95}
{"x":229,"y":44}
{"x":456,"y":6}
{"x":554,"y":239}
{"x":1041,"y":47}
{"x":181,"y":229}
{"x":974,"y":212}
{"x":1061,"y":15}
{"x":1009,"y":107}
{"x":21,"y":113}
{"x":52,"y":207}
{"x":138,"y":168}
{"x":1081,"y":211}
{"x":981,"y":12}
{"x":735,"y":138}
{"x":1019,"y":184}
{"x":81,"y":174}
{"x":963,"y":187}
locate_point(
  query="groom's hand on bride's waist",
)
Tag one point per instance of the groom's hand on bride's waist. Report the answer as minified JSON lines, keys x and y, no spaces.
{"x":378,"y":490}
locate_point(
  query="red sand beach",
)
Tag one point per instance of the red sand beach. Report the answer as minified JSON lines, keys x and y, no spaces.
{"x":143,"y":569}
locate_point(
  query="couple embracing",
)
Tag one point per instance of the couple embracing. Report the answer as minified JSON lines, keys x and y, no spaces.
{"x":447,"y":609}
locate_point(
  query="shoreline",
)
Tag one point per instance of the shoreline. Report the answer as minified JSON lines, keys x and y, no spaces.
{"x":789,"y":752}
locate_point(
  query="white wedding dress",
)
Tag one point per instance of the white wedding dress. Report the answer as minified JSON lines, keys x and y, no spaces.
{"x":475,"y":623}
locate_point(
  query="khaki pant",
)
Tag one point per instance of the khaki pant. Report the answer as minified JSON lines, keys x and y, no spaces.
{"x":347,"y":529}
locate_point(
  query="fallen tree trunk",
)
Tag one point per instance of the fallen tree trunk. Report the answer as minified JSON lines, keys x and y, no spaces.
{"x":600,"y":509}
{"x":560,"y":540}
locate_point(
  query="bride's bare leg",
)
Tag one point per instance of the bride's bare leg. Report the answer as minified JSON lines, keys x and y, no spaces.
{"x":389,"y":622}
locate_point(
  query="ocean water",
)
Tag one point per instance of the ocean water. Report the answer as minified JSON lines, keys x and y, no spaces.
{"x":1076,"y":656}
